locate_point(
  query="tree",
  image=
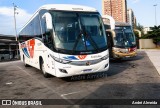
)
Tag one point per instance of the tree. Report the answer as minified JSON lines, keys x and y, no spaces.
{"x":136,"y":34}
{"x":140,"y":27}
{"x":153,"y":34}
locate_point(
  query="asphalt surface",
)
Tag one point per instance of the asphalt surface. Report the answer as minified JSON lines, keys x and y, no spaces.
{"x":134,"y":78}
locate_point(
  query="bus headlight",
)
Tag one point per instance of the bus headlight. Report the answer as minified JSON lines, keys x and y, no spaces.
{"x":60,"y":60}
{"x":116,"y":49}
{"x":105,"y":57}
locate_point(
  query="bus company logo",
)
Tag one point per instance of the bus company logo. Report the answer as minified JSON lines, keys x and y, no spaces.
{"x":31,"y":45}
{"x":88,"y":63}
{"x":81,"y":57}
{"x":96,"y":56}
{"x":28,"y":49}
{"x":24,"y":49}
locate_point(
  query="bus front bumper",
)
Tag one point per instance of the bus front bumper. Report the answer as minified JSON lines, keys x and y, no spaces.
{"x":124,"y":55}
{"x":65,"y":70}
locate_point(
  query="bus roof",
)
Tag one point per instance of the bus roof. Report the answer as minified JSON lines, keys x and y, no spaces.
{"x":67,"y":7}
{"x":64,"y":7}
{"x":122,"y":24}
{"x":117,"y":23}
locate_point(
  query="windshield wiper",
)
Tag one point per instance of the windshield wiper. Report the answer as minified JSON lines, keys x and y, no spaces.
{"x":79,"y":36}
{"x":84,"y":36}
{"x":92,"y":42}
{"x":76,"y":42}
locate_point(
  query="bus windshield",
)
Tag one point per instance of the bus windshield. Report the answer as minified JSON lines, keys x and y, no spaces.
{"x":78,"y":32}
{"x":124,"y":37}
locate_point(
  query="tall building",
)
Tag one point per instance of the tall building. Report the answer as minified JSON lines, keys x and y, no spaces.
{"x":131,"y":19}
{"x":135,"y":22}
{"x":115,"y":8}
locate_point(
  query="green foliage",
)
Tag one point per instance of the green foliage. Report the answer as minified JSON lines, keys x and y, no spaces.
{"x":140,"y":28}
{"x":136,"y":34}
{"x":153,"y":34}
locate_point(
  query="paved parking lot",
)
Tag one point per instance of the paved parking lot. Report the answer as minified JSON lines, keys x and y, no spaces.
{"x":154,"y":56}
{"x":134,"y":78}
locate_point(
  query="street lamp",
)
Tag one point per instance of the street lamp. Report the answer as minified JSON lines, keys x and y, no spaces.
{"x":155,"y":15}
{"x":15,"y":8}
{"x":15,"y":12}
{"x":155,"y":21}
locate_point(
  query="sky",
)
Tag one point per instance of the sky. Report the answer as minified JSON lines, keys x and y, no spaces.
{"x":143,"y":10}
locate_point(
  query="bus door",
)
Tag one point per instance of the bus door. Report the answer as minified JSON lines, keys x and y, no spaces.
{"x":110,"y":35}
{"x":48,"y":42}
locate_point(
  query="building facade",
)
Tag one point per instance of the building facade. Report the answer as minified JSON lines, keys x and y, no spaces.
{"x":8,"y":47}
{"x":146,"y":30}
{"x":115,"y":8}
{"x":131,"y":19}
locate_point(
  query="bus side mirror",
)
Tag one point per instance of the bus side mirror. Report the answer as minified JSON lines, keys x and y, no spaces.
{"x":111,"y":21}
{"x":48,"y":19}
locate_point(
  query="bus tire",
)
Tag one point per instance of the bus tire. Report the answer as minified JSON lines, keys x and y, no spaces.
{"x":25,"y":64}
{"x":45,"y":74}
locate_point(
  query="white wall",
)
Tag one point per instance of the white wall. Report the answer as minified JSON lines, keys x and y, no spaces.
{"x":146,"y":43}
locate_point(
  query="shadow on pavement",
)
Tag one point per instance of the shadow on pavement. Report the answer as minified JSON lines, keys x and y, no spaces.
{"x":9,"y":60}
{"x":121,"y":92}
{"x":116,"y":67}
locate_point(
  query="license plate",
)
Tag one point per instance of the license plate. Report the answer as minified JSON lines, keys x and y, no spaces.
{"x":128,"y":56}
{"x":87,"y":70}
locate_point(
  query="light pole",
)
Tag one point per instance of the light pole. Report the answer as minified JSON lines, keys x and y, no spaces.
{"x":15,"y":8}
{"x":155,"y":15}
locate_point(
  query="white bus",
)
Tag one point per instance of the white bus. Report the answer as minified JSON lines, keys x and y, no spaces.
{"x":65,"y":40}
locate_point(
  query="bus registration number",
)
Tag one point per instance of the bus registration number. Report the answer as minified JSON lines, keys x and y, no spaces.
{"x":87,"y":70}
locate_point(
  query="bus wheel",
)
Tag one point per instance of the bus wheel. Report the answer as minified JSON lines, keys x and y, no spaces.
{"x":25,"y":64}
{"x":45,"y":74}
